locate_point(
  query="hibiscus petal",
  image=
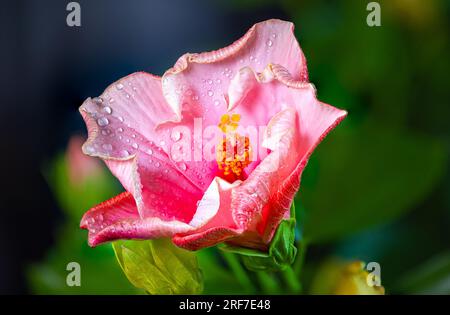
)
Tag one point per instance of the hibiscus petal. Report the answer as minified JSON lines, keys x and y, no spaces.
{"x":122,"y":127}
{"x":213,"y":218}
{"x":118,"y":218}
{"x":206,"y":76}
{"x":122,"y":120}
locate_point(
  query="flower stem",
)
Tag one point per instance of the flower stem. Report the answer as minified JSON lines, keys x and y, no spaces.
{"x":267,"y":283}
{"x":292,"y":280}
{"x":239,"y":272}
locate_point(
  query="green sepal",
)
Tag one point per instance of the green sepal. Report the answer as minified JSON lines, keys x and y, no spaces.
{"x":281,"y":253}
{"x":159,"y":267}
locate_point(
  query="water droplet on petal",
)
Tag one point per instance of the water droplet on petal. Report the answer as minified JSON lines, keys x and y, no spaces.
{"x":210,"y":81}
{"x":150,"y":151}
{"x":135,"y":145}
{"x":269,"y":43}
{"x":106,"y":132}
{"x":111,"y":100}
{"x":124,"y":153}
{"x":98,"y":100}
{"x":119,"y":86}
{"x":120,"y":118}
{"x":107,"y":109}
{"x":210,"y":93}
{"x":107,"y":146}
{"x":119,"y":129}
{"x":157,"y":164}
{"x":89,"y":149}
{"x":217,"y":102}
{"x":103,"y":121}
{"x":182,"y":166}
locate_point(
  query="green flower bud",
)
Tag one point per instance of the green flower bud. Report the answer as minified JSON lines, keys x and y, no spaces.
{"x":281,"y":253}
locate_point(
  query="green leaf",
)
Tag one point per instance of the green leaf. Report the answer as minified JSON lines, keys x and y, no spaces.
{"x":366,"y":176}
{"x":159,"y":267}
{"x":280,"y":255}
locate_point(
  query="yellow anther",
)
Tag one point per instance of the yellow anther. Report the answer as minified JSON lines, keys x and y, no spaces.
{"x":236,"y":117}
{"x":233,"y":155}
{"x":225,"y":118}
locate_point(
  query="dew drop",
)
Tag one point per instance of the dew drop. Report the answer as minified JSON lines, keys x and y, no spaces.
{"x":210,"y":93}
{"x":182,"y":166}
{"x":218,"y":81}
{"x":269,"y":43}
{"x":135,"y":145}
{"x":210,"y":81}
{"x":107,"y":146}
{"x":106,"y":132}
{"x":217,"y":102}
{"x":157,"y":164}
{"x":103,"y":121}
{"x":150,"y":151}
{"x":119,"y":129}
{"x":89,"y":149}
{"x":111,"y":100}
{"x":107,"y":109}
{"x":119,"y":86}
{"x":98,"y":100}
{"x":120,"y":118}
{"x":124,"y":153}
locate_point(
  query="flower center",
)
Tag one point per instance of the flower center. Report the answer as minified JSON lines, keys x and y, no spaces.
{"x":233,"y":152}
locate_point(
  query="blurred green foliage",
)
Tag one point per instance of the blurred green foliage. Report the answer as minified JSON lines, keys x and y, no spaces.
{"x":100,"y":273}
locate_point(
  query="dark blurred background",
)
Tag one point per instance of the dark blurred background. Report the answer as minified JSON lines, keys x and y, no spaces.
{"x":377,"y":189}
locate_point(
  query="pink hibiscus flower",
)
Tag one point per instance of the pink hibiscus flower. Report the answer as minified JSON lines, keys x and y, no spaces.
{"x":213,"y":151}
